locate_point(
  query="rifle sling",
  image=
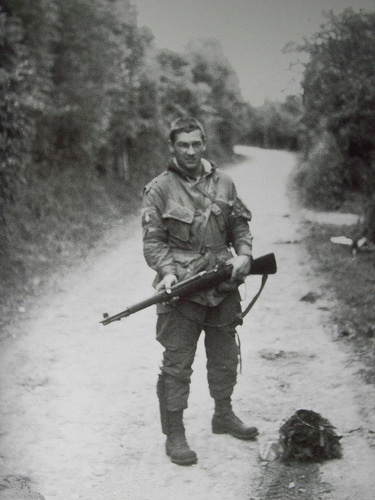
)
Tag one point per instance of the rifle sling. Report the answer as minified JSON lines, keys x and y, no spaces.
{"x":256,"y":297}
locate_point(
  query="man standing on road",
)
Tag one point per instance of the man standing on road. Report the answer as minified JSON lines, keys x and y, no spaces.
{"x":191,"y":220}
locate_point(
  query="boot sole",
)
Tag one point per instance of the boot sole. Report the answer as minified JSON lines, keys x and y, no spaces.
{"x":244,"y":437}
{"x":183,"y":461}
{"x":189,"y":461}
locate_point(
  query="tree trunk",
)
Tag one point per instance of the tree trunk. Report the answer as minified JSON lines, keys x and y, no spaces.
{"x":370,"y":220}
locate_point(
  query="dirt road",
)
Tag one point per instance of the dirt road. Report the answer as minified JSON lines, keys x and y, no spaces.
{"x":79,"y":414}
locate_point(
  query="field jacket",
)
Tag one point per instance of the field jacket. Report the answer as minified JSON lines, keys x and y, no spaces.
{"x":190,"y":225}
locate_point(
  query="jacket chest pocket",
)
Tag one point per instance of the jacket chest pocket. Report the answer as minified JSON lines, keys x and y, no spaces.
{"x":179,"y":221}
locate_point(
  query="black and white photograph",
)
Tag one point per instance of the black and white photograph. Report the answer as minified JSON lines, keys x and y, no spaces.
{"x":187,"y":249}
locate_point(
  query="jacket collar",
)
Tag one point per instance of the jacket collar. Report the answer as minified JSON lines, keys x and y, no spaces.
{"x":208,"y":168}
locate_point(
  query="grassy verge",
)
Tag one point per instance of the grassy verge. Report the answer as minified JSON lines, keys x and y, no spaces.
{"x":62,"y":220}
{"x":351,"y":279}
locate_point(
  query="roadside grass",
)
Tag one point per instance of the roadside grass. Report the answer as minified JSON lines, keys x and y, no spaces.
{"x":81,"y":214}
{"x":349,"y":276}
{"x":351,"y":279}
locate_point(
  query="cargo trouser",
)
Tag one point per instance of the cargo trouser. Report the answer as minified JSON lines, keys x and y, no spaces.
{"x":178,"y":330}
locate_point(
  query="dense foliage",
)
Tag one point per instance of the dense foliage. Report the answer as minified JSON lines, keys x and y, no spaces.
{"x":86,"y":102}
{"x":339,"y":111}
{"x":275,"y":125}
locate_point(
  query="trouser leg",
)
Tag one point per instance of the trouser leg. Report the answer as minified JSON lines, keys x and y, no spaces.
{"x":179,"y":336}
{"x":221,"y":347}
{"x":222,"y":361}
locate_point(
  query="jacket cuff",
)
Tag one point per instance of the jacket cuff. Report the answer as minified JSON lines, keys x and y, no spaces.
{"x":169,"y":269}
{"x":245,"y":250}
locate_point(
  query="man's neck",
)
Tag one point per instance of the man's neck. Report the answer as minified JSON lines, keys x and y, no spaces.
{"x":192,"y":173}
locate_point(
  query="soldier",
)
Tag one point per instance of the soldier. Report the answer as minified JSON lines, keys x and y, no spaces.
{"x":192,"y":220}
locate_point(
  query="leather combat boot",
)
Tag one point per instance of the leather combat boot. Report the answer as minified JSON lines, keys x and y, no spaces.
{"x":225,"y":421}
{"x":176,"y":446}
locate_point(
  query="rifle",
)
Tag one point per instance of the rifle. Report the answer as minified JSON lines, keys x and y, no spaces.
{"x":264,"y":265}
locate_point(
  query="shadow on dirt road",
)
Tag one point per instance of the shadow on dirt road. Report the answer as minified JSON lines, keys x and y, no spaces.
{"x":79,"y":411}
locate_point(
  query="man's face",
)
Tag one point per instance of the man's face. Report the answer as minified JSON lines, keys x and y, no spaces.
{"x":188,"y":149}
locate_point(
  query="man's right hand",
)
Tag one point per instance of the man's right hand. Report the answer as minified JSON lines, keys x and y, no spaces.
{"x":166,"y":283}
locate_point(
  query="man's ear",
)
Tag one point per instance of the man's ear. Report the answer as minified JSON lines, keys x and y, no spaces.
{"x":171,"y":147}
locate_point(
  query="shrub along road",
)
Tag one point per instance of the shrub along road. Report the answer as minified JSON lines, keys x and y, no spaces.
{"x":78,"y":402}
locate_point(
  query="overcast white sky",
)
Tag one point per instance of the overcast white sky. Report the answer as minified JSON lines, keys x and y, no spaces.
{"x":252,"y":33}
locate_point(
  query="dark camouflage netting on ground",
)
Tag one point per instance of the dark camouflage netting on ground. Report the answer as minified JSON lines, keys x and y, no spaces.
{"x":307,"y":436}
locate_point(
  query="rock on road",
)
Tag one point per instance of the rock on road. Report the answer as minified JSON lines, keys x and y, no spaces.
{"x":79,"y":413}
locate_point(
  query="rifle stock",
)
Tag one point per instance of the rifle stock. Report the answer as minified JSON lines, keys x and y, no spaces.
{"x":202,"y":281}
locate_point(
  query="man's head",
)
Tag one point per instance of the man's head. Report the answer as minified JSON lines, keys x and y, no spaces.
{"x":185,"y":124}
{"x":187,"y":142}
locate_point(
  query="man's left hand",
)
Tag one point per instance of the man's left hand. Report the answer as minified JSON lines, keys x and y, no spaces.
{"x":241,"y":267}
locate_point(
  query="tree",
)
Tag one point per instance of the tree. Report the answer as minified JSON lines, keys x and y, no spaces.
{"x":273,"y":125}
{"x":223,"y":105}
{"x":84,"y":56}
{"x":339,"y":93}
{"x":132,"y":94}
{"x":23,"y":80}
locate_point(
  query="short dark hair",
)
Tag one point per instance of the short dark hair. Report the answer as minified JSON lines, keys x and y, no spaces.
{"x":185,"y":124}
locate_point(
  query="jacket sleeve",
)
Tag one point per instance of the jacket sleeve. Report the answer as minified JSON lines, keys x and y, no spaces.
{"x":240,"y":232}
{"x":155,"y":236}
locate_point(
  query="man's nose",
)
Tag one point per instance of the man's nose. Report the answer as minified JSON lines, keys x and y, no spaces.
{"x":191,"y":150}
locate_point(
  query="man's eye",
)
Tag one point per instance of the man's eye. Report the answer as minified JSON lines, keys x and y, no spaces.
{"x":186,"y":145}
